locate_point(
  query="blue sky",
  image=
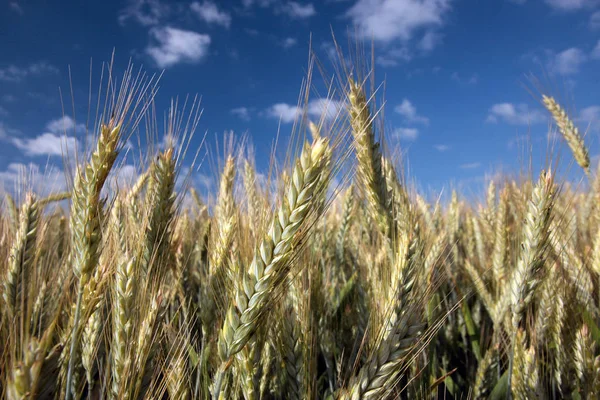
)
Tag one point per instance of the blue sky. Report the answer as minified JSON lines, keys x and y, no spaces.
{"x":459,"y":89}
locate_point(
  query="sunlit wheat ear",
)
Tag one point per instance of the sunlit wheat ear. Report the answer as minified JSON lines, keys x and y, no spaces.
{"x":161,"y":199}
{"x":85,"y":224}
{"x":145,"y":347}
{"x":570,"y":132}
{"x":123,"y":308}
{"x":252,"y":198}
{"x":400,"y":333}
{"x":500,"y":243}
{"x":21,"y":255}
{"x":272,"y":257}
{"x":528,"y":274}
{"x":226,"y":218}
{"x":370,"y":173}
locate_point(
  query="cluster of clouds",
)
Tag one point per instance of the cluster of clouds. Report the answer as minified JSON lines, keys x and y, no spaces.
{"x":169,"y":45}
{"x":403,"y":29}
{"x":57,"y":139}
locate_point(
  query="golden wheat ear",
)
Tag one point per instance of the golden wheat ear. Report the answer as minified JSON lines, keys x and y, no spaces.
{"x":570,"y":132}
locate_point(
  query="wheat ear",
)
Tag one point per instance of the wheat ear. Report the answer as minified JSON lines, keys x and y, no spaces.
{"x":85,"y":223}
{"x":570,"y":132}
{"x":21,"y":254}
{"x":270,"y":262}
{"x":370,"y":172}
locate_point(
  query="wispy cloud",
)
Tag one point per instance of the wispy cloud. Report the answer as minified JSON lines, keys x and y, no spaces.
{"x":429,"y":41}
{"x":394,"y":56}
{"x":173,"y":46}
{"x":441,"y":147}
{"x":289,"y":42}
{"x":473,"y":165}
{"x":317,"y":108}
{"x":471,"y":80}
{"x":590,"y":117}
{"x":518,"y":114}
{"x":407,"y":110}
{"x":571,"y":5}
{"x":241,"y":112}
{"x":298,"y":10}
{"x":595,"y":20}
{"x":596,"y":51}
{"x":12,"y":73}
{"x":210,"y":13}
{"x":16,"y":7}
{"x":144,"y":12}
{"x":568,"y":61}
{"x":408,"y":134}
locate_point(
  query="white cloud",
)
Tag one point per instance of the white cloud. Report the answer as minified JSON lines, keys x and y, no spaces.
{"x":242,"y":113}
{"x":596,"y":51}
{"x":261,"y":3}
{"x":571,"y":5}
{"x":328,"y":108}
{"x":43,"y":183}
{"x":595,"y":20}
{"x":64,"y":124}
{"x":126,"y":175}
{"x":47,"y":144}
{"x":209,"y":13}
{"x":567,"y":62}
{"x":3,"y":131}
{"x":6,"y":132}
{"x":514,"y":114}
{"x":9,"y":98}
{"x":286,"y":112}
{"x":297,"y":10}
{"x":394,"y":57}
{"x":16,"y":7}
{"x":177,"y":46}
{"x":317,"y":108}
{"x":144,"y":12}
{"x":289,"y":42}
{"x":409,"y":112}
{"x":472,"y":165}
{"x":429,"y":41}
{"x":12,"y":73}
{"x":405,"y":133}
{"x":590,"y":116}
{"x":329,"y":49}
{"x":472,"y":80}
{"x":441,"y":147}
{"x":387,"y":20}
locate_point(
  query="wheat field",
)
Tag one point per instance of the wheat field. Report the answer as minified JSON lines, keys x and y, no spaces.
{"x":331,"y":279}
